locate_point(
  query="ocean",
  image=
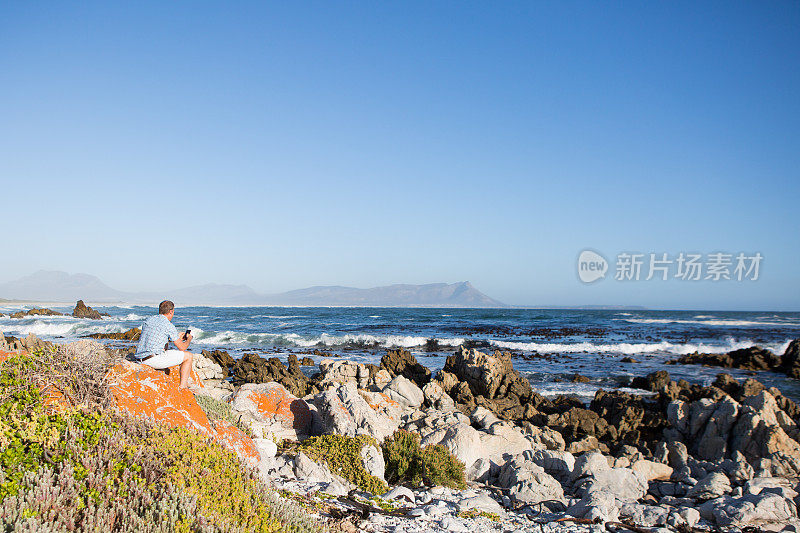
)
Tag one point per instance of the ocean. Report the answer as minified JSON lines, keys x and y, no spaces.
{"x":550,"y":345}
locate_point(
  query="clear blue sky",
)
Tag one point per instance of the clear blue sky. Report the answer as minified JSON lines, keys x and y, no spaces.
{"x":165,"y":144}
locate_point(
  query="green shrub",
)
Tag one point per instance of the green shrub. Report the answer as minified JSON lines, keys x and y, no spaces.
{"x":342,"y":454}
{"x":406,"y":462}
{"x":217,"y":410}
{"x":401,"y":453}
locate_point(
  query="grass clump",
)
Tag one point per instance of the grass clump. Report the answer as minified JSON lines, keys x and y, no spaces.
{"x":217,"y":410}
{"x":407,"y":462}
{"x":342,"y":454}
{"x":474,"y":513}
{"x":85,"y":467}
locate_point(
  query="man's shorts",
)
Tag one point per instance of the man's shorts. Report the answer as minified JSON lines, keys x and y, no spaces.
{"x":165,"y":359}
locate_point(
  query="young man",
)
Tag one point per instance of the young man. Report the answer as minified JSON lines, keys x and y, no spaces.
{"x":156,"y":332}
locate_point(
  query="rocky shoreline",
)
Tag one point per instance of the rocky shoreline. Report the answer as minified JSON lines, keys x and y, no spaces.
{"x":677,"y":457}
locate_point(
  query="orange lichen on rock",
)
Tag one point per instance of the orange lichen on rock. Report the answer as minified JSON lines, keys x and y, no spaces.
{"x":5,"y":355}
{"x":273,"y":402}
{"x":144,"y":391}
{"x":237,"y":440}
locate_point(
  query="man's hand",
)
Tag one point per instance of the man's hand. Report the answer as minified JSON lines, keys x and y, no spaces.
{"x":183,"y":342}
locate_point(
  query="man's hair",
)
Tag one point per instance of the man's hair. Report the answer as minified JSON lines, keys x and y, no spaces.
{"x":165,"y":307}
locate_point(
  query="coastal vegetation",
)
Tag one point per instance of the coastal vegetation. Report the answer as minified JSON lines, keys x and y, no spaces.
{"x":71,"y":462}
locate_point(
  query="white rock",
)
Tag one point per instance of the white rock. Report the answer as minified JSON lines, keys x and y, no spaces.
{"x":480,"y":502}
{"x":343,"y":411}
{"x":600,"y":505}
{"x":405,"y":392}
{"x":400,"y":493}
{"x":651,"y":470}
{"x":373,"y":461}
{"x":712,"y":486}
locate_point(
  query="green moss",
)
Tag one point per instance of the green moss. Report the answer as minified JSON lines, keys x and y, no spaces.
{"x":406,"y":462}
{"x":343,"y":456}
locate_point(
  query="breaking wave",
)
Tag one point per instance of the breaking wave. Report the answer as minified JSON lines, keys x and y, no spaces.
{"x":713,"y":322}
{"x":322,"y":341}
{"x":636,"y":348}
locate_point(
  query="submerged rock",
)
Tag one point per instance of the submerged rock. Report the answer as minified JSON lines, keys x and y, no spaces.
{"x":132,"y":334}
{"x":35,"y":312}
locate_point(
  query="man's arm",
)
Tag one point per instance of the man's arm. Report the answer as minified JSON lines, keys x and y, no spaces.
{"x":181,"y":344}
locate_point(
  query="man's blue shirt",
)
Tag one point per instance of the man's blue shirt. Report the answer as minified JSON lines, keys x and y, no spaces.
{"x":156,"y":332}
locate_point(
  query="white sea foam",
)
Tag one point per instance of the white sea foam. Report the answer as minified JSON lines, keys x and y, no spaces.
{"x":635,"y":348}
{"x":58,"y":328}
{"x":325,"y":339}
{"x":714,"y":322}
{"x":584,"y":391}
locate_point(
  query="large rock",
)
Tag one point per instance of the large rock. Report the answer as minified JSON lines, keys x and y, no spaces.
{"x":651,"y":470}
{"x":144,"y":392}
{"x":790,"y":361}
{"x":753,"y":358}
{"x":712,"y":486}
{"x":601,"y":506}
{"x":401,"y":362}
{"x":749,"y":510}
{"x":35,"y":312}
{"x":206,"y":368}
{"x":252,"y":368}
{"x":436,"y":398}
{"x":490,"y":376}
{"x":272,"y":410}
{"x":344,"y":410}
{"x":82,"y":311}
{"x":132,"y":335}
{"x":528,"y":482}
{"x":404,"y":392}
{"x":363,"y":376}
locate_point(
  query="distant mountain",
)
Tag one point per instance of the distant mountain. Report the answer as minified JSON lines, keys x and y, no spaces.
{"x":54,"y":286}
{"x":432,"y":295}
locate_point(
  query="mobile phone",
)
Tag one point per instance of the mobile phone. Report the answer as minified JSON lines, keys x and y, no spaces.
{"x":186,"y":334}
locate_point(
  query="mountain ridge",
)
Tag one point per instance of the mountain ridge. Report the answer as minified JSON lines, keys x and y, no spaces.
{"x":58,"y":286}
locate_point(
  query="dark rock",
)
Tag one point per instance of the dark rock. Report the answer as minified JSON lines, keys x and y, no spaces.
{"x":790,"y":361}
{"x":577,"y":378}
{"x":252,"y":368}
{"x":82,"y":311}
{"x":35,"y":312}
{"x":628,"y":360}
{"x":222,"y":358}
{"x":132,"y":334}
{"x":753,"y":358}
{"x":402,"y":363}
{"x":307,"y":361}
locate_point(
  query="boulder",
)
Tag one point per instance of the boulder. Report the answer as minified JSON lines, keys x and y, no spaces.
{"x":651,"y":470}
{"x":528,"y":483}
{"x":436,"y":397}
{"x":372,"y":458}
{"x":145,"y":392}
{"x":252,"y":368}
{"x":712,"y":486}
{"x":490,"y":376}
{"x":221,"y":358}
{"x":272,"y":410}
{"x":625,"y":484}
{"x":344,"y":411}
{"x":82,"y":311}
{"x":748,"y":510}
{"x":132,"y":335}
{"x":404,"y":392}
{"x":206,"y":368}
{"x":790,"y":360}
{"x":401,"y":362}
{"x":35,"y":312}
{"x":558,"y":464}
{"x":596,"y":506}
{"x":645,"y":515}
{"x":753,"y":358}
{"x":336,"y":372}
